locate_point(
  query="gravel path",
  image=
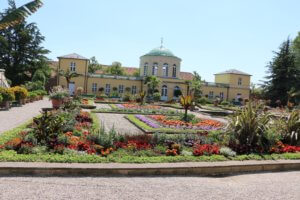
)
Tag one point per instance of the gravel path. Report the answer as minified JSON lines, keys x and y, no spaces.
{"x":120,"y":124}
{"x":275,"y":186}
{"x":19,"y":115}
{"x":102,"y":106}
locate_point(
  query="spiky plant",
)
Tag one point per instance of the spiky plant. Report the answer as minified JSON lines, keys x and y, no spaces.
{"x":186,"y":102}
{"x":290,"y":128}
{"x":19,"y":14}
{"x":69,"y":75}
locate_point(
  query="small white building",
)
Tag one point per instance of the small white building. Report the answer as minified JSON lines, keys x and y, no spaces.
{"x":3,"y":81}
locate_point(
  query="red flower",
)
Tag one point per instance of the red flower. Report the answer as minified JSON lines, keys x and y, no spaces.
{"x":206,"y":149}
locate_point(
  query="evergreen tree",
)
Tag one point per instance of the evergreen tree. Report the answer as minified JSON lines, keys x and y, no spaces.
{"x":284,"y":74}
{"x":115,"y":69}
{"x":21,"y":53}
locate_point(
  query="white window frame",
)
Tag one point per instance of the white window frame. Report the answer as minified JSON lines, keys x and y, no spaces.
{"x":165,"y":70}
{"x":164,"y":91}
{"x":133,"y":89}
{"x":146,"y":69}
{"x":121,"y":89}
{"x":174,"y":71}
{"x":94,"y":87}
{"x":211,"y":94}
{"x":73,"y":67}
{"x":154,"y":69}
{"x":240,"y":81}
{"x":107,"y":89}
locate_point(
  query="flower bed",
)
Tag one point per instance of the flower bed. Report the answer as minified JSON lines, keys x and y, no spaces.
{"x":87,"y":104}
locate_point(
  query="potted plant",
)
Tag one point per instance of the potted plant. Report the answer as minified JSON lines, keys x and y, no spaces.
{"x":20,"y":94}
{"x":8,"y":96}
{"x":57,"y":96}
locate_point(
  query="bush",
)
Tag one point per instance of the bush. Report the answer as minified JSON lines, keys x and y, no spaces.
{"x":20,"y":92}
{"x":204,"y":100}
{"x":32,"y":86}
{"x":40,"y":92}
{"x":225,"y":103}
{"x":227,"y":152}
{"x":7,"y":94}
{"x":156,"y":96}
{"x":1,"y":98}
{"x":247,"y":130}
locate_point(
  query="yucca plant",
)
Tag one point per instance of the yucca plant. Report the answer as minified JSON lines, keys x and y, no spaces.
{"x":248,"y":126}
{"x":290,"y":128}
{"x":19,"y":14}
{"x":142,"y":96}
{"x":186,"y":102}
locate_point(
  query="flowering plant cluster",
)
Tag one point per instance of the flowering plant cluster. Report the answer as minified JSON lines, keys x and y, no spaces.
{"x":133,"y":145}
{"x":284,"y":148}
{"x":203,"y":124}
{"x":206,"y":149}
{"x":136,"y":106}
{"x":147,"y":121}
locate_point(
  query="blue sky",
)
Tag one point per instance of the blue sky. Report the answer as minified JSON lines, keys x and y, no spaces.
{"x":210,"y":36}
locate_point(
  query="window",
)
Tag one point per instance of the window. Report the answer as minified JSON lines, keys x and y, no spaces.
{"x":174,"y":71}
{"x":107,"y":89}
{"x":154,"y":69}
{"x":221,"y":95}
{"x":164,"y":91}
{"x":145,"y":69}
{"x":94,"y":87}
{"x":211,"y":95}
{"x":72,"y":66}
{"x":133,"y":89}
{"x":177,"y":91}
{"x":121,"y":89}
{"x":165,"y":70}
{"x":240,"y":81}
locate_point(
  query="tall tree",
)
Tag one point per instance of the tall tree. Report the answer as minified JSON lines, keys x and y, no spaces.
{"x":152,"y":83}
{"x":21,"y":53}
{"x":17,"y":15}
{"x":115,"y":69}
{"x":195,"y":86}
{"x":94,"y":65}
{"x":283,"y":74}
{"x":296,"y":49}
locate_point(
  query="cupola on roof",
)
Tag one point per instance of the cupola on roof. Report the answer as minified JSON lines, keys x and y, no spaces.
{"x":161,"y":51}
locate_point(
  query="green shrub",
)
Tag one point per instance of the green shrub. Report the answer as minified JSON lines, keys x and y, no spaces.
{"x":102,"y":138}
{"x":32,"y":86}
{"x":204,"y":100}
{"x":225,"y":103}
{"x":7,"y":94}
{"x":156,"y":96}
{"x":20,"y":92}
{"x":1,"y":98}
{"x":227,"y":152}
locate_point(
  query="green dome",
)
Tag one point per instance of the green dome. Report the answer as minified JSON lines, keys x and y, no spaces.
{"x":160,"y":51}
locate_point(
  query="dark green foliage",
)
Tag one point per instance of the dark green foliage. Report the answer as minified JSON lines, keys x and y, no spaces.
{"x":21,"y":50}
{"x":284,"y":74}
{"x":115,"y":69}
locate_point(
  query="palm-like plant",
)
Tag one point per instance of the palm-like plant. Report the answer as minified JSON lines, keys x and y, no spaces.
{"x":186,"y":102}
{"x":19,"y":14}
{"x":69,"y":75}
{"x":142,"y":96}
{"x":290,"y":128}
{"x":152,"y":83}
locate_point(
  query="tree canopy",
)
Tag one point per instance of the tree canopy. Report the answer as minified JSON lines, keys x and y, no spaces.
{"x":115,"y":69}
{"x":284,"y":74}
{"x":94,"y":65}
{"x":21,"y":53}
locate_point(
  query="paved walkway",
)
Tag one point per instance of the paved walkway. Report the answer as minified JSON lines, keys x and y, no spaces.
{"x":119,"y":123}
{"x":19,"y":115}
{"x":275,"y":186}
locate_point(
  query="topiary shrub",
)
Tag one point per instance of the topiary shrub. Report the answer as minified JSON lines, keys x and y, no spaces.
{"x":156,"y":96}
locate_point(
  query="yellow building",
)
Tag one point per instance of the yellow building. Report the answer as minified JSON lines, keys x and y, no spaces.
{"x":161,"y":62}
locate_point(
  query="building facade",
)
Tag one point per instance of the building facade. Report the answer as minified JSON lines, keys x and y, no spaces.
{"x":160,"y":62}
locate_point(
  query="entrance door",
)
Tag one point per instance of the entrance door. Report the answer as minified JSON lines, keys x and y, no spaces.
{"x":164,"y":93}
{"x":72,"y":88}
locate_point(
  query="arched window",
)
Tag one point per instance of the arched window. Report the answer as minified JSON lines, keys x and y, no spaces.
{"x":164,"y":91}
{"x":165,"y":70}
{"x":146,"y":69}
{"x":155,"y":69}
{"x":174,"y":71}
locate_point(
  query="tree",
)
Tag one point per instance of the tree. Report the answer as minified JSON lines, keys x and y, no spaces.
{"x":195,"y":86}
{"x":296,"y":49}
{"x":152,"y":83}
{"x":94,"y":65}
{"x":284,"y":74}
{"x":68,"y":75}
{"x":16,"y":16}
{"x":116,"y":69}
{"x":21,"y":53}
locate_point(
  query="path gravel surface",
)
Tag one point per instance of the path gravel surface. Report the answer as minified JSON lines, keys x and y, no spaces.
{"x":275,"y":186}
{"x":120,"y":124}
{"x":16,"y":116}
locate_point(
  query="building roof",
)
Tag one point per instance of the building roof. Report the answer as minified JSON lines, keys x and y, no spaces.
{"x":161,"y":51}
{"x":234,"y":71}
{"x":186,"y":76}
{"x":74,"y":56}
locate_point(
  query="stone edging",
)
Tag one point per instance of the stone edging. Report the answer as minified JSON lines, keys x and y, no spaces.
{"x":160,"y":169}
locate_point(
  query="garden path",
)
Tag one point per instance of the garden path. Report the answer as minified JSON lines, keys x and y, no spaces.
{"x":119,"y":123}
{"x":16,"y":116}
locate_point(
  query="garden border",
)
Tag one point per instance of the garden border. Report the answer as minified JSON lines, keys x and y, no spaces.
{"x":161,"y":169}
